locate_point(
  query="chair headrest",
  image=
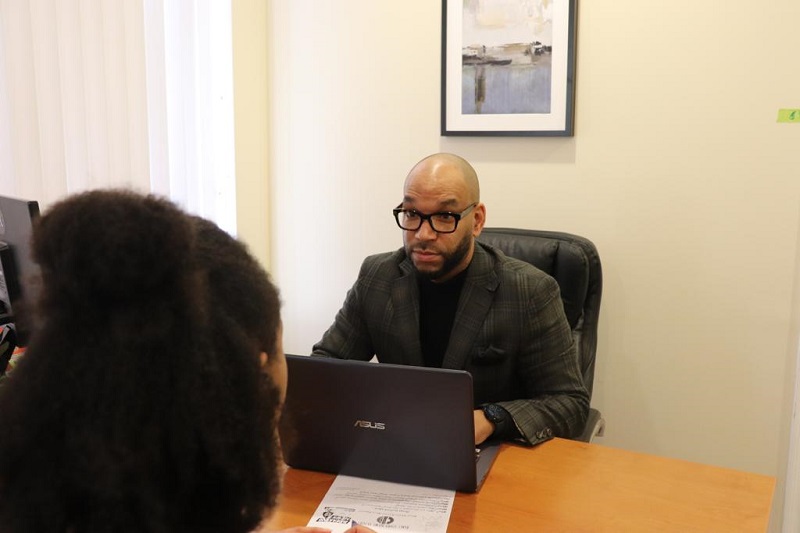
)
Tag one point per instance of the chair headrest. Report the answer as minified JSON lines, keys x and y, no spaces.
{"x":557,"y":254}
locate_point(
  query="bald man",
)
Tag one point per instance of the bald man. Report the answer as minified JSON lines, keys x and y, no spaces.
{"x":446,"y":300}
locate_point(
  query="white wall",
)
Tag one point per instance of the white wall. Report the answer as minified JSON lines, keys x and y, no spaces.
{"x":677,"y":171}
{"x":251,"y":97}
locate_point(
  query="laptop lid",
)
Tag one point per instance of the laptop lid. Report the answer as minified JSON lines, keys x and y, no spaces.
{"x":397,"y":423}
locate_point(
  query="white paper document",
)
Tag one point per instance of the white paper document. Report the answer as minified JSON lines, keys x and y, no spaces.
{"x":383,"y":506}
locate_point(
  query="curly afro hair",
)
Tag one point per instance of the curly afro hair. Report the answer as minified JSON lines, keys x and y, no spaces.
{"x":140,"y":404}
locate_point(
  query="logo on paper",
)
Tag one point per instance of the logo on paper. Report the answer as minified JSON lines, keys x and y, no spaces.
{"x":336,"y":515}
{"x":385,"y":520}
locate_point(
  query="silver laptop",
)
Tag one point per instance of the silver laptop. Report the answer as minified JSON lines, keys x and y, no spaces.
{"x":404,"y":424}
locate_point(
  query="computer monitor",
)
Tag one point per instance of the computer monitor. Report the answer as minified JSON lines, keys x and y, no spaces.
{"x":17,"y":268}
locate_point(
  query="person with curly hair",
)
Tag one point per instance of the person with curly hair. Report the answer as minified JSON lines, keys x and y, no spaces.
{"x":150,"y":391}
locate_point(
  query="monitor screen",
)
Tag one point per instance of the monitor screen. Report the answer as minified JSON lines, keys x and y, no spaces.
{"x":18,"y":268}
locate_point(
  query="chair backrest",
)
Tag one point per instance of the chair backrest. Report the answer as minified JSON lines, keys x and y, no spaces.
{"x":574,"y":263}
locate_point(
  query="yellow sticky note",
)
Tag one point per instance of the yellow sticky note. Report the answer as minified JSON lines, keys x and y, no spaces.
{"x":789,"y":115}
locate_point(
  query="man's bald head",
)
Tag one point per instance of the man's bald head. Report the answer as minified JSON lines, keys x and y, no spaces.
{"x":443,"y":166}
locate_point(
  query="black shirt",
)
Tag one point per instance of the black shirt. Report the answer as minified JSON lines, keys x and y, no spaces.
{"x":437,"y":311}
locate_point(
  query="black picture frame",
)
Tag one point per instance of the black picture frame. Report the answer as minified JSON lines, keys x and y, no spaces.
{"x":509,"y":72}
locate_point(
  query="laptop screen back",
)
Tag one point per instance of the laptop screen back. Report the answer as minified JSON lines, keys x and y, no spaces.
{"x":396,"y":423}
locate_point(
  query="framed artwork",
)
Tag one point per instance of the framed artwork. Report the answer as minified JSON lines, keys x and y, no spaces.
{"x":508,"y":67}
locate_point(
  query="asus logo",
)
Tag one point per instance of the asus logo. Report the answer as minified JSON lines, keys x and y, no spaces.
{"x":369,"y":425}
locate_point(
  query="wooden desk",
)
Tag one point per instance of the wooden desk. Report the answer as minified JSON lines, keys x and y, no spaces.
{"x":564,"y":485}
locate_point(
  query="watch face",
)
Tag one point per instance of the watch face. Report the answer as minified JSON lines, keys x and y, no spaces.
{"x":494,"y":413}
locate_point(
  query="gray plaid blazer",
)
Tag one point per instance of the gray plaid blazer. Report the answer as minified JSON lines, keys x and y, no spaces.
{"x":510,"y":333}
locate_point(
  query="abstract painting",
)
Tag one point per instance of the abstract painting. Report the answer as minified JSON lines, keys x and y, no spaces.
{"x":508,"y":67}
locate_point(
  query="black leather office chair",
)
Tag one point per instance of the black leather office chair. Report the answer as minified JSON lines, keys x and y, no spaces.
{"x":574,"y":263}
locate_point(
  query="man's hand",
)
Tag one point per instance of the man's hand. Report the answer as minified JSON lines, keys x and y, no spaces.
{"x":483,"y":428}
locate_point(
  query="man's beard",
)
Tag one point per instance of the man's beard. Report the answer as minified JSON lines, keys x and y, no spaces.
{"x":451,"y":259}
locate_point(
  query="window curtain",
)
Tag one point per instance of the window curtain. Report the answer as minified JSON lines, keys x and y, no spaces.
{"x":118,"y":93}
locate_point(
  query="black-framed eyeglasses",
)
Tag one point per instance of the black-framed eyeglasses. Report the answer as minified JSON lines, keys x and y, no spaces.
{"x":441,"y":222}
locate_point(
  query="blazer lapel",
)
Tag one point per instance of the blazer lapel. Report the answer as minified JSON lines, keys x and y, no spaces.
{"x":405,"y":320}
{"x":473,"y":305}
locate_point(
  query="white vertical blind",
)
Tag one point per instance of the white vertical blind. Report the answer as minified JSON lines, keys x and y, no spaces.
{"x":103,"y":93}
